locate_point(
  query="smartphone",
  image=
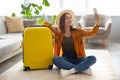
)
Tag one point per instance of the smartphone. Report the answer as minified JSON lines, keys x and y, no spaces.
{"x":95,"y":10}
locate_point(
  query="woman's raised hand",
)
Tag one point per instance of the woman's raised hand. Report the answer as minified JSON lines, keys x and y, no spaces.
{"x":98,"y":18}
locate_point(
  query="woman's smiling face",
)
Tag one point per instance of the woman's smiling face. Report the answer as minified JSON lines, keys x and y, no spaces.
{"x":68,"y":20}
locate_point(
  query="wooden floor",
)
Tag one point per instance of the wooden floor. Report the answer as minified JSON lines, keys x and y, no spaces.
{"x":112,"y":46}
{"x":114,"y":49}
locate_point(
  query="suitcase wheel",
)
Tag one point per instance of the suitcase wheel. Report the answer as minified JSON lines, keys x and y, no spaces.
{"x":50,"y":66}
{"x":26,"y":69}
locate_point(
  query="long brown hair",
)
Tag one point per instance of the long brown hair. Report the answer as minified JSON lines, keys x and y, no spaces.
{"x":62,"y":23}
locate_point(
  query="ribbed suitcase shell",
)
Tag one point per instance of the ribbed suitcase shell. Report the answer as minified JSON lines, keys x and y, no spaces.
{"x":37,"y":48}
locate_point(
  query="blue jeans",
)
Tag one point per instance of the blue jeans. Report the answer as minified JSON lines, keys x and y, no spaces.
{"x":69,"y":61}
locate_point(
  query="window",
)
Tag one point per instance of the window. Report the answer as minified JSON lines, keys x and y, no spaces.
{"x":7,"y":7}
{"x":56,"y":6}
{"x":110,"y":7}
{"x":53,"y":9}
{"x":78,"y":6}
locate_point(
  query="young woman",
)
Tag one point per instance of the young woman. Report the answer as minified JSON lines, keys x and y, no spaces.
{"x":68,"y":47}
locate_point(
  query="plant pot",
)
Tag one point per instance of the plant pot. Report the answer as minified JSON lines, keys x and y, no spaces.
{"x":29,"y":22}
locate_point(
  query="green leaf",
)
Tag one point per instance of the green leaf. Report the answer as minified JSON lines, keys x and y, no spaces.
{"x":46,"y":3}
{"x":40,"y":20}
{"x":22,"y":12}
{"x":22,"y":6}
{"x":13,"y":15}
{"x":33,"y":5}
{"x":43,"y":2}
{"x":54,"y":16}
{"x":28,"y":14}
{"x":36,"y":11}
{"x":53,"y":19}
{"x":40,"y":8}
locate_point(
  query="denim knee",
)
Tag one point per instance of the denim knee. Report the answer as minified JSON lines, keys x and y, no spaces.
{"x":92,"y":58}
{"x":55,"y":59}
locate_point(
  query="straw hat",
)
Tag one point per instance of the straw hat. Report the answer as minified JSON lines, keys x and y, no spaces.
{"x":61,"y":13}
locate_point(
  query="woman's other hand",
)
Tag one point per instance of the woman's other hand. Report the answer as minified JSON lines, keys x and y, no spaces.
{"x":47,"y":24}
{"x":57,"y":29}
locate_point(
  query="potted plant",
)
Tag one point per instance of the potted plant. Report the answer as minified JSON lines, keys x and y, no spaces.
{"x":33,"y":10}
{"x":31,"y":13}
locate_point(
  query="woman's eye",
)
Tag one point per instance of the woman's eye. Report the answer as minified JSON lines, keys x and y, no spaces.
{"x":68,"y":17}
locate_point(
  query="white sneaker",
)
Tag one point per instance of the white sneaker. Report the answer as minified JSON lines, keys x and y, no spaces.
{"x":64,"y":73}
{"x":88,"y":71}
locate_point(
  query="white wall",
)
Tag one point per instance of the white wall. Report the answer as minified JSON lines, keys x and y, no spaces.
{"x":115,"y":31}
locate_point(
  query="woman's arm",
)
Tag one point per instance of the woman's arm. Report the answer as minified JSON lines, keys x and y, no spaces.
{"x":94,"y":30}
{"x":53,"y":28}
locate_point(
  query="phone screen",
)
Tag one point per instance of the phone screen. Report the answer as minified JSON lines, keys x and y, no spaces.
{"x":95,"y":10}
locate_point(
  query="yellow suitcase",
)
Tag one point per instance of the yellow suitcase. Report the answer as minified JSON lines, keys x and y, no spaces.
{"x":37,"y":48}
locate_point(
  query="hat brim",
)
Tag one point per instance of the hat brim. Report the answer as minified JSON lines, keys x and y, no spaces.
{"x":61,"y":13}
